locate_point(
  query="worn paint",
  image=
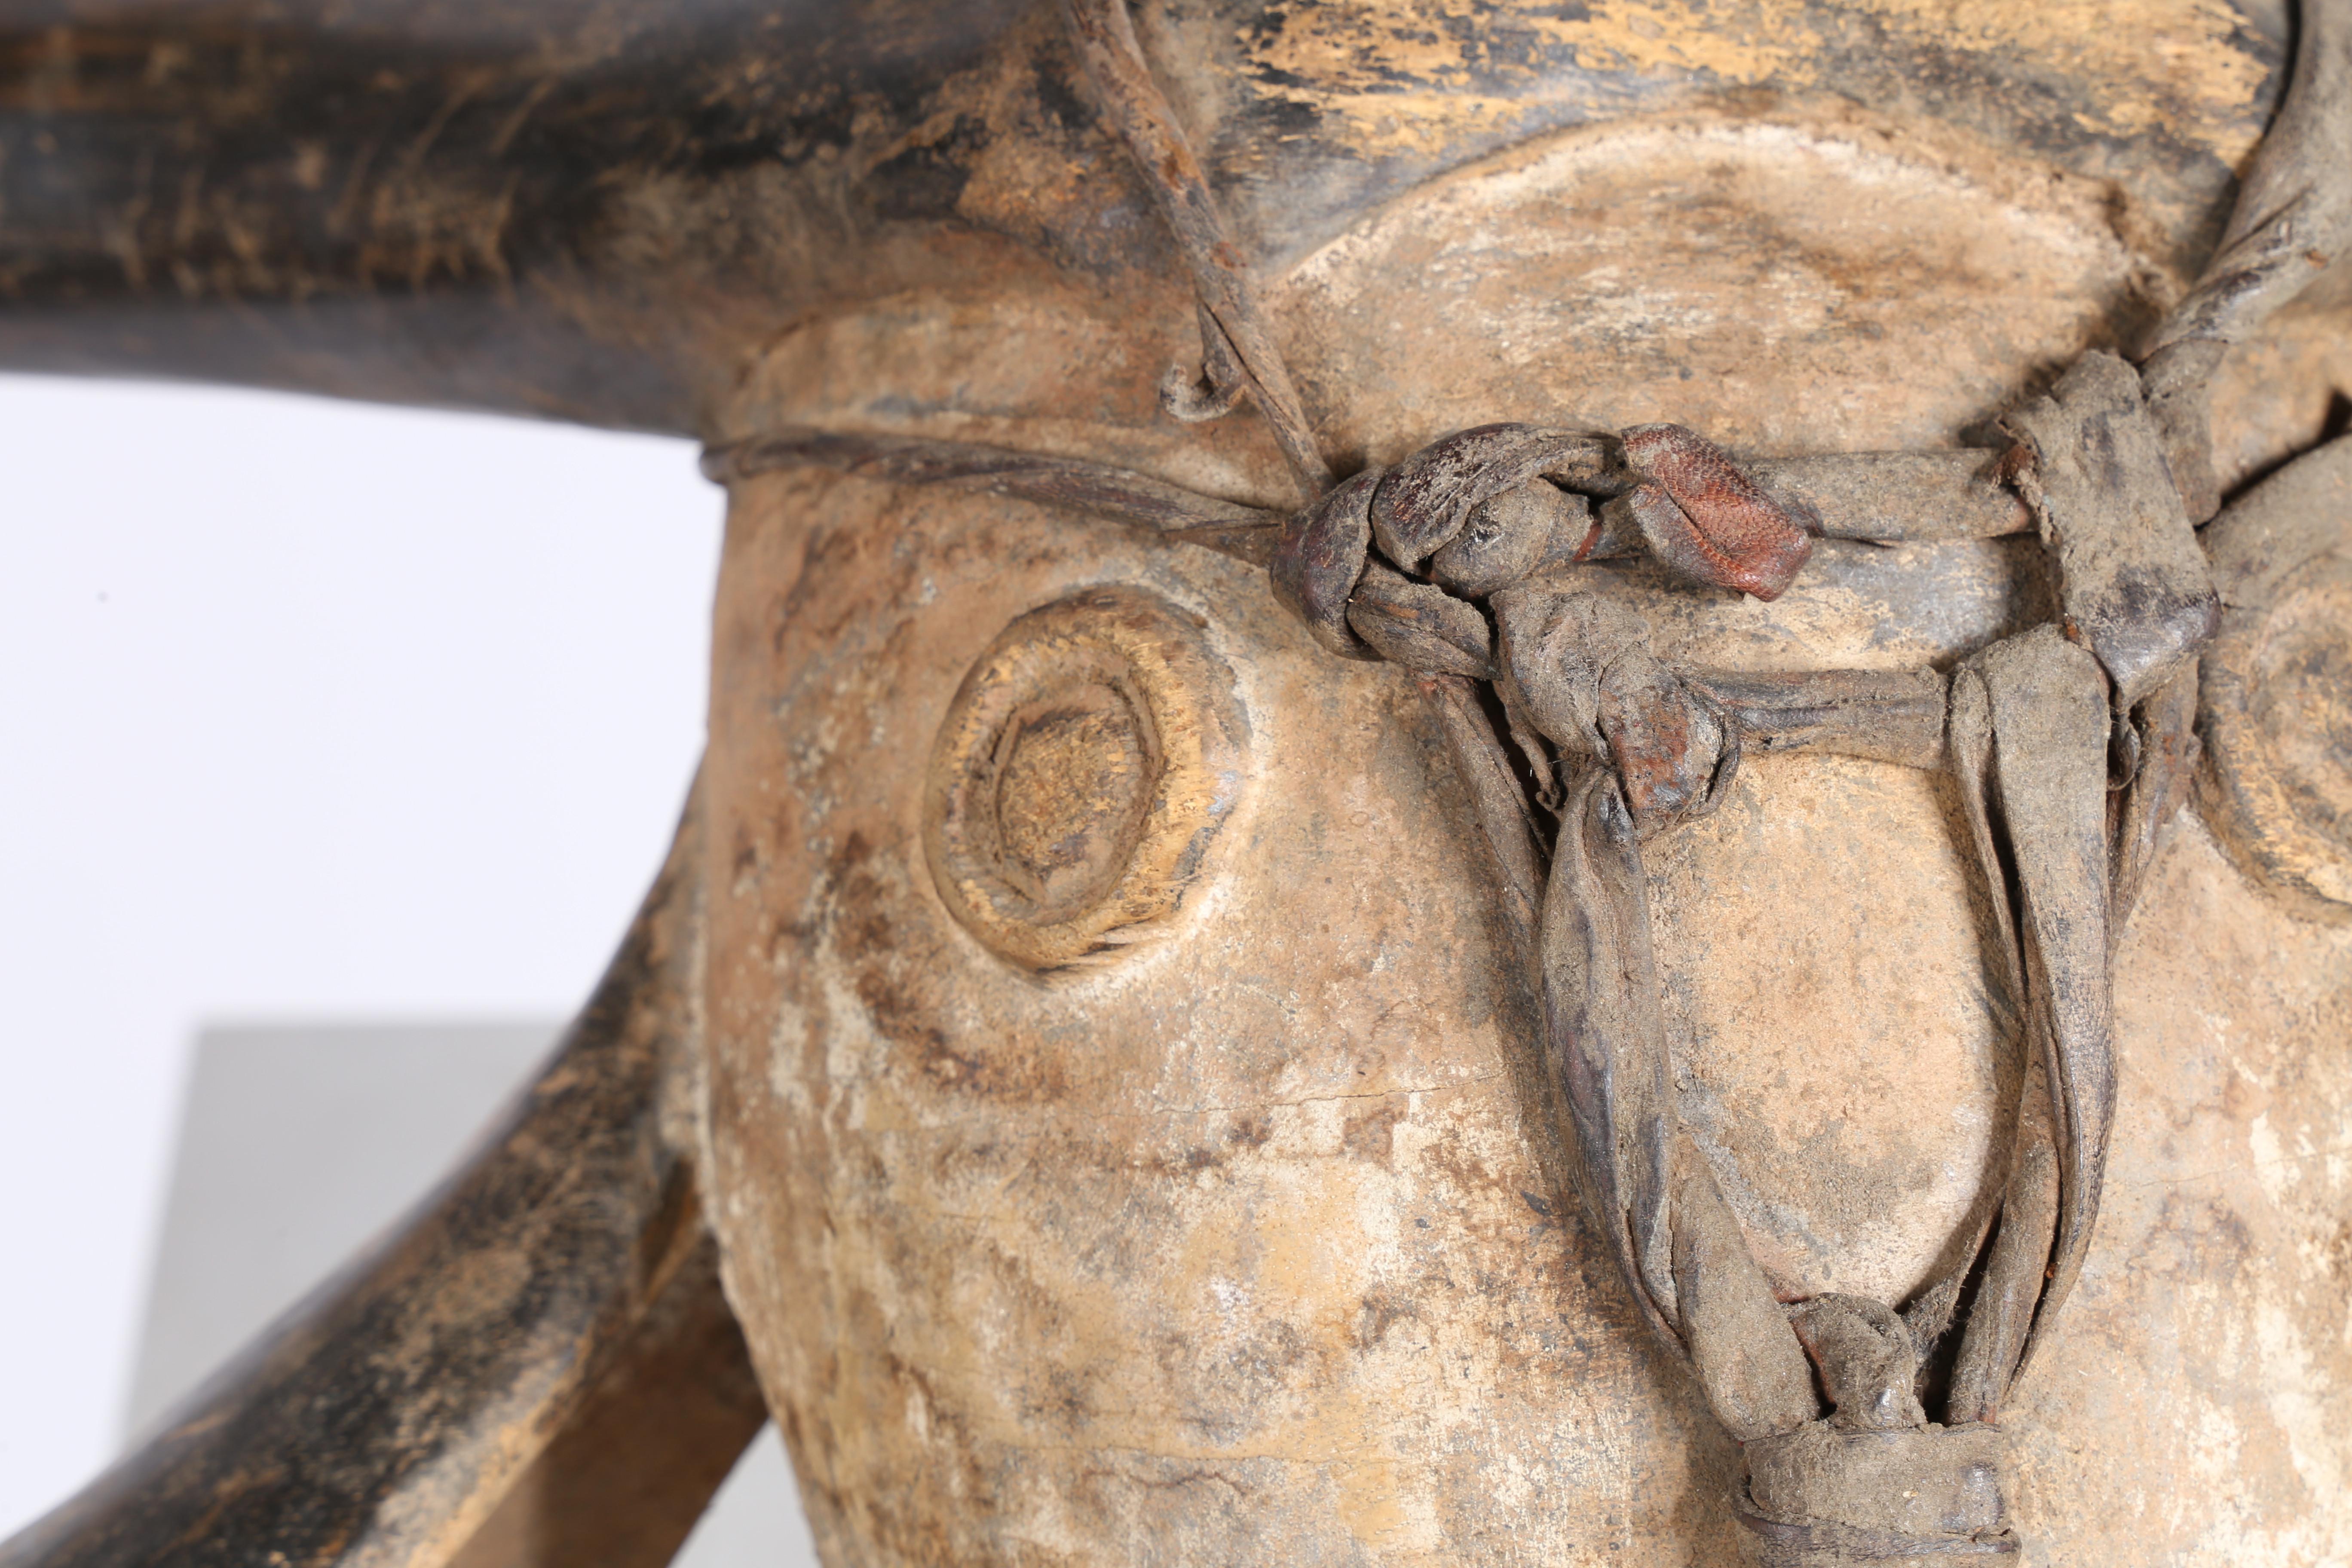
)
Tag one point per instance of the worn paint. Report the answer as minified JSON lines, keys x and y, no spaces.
{"x":1388,"y":79}
{"x":1258,"y":1244}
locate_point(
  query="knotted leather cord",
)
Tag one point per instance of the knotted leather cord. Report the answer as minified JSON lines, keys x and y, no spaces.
{"x":2072,"y":748}
{"x":1237,"y":349}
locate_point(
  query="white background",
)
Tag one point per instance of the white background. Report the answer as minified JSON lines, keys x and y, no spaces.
{"x":307,"y":710}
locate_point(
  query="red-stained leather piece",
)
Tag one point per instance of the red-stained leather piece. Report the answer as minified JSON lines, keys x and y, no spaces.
{"x":1707,"y":519}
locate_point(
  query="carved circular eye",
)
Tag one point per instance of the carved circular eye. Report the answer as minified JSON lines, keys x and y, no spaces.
{"x":2277,"y":688}
{"x":1088,"y":760}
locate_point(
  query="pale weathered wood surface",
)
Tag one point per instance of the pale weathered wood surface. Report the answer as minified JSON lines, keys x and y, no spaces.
{"x":1252,"y":1239}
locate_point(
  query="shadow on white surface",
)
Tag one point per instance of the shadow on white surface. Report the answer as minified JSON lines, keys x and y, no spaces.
{"x":298,"y":1144}
{"x":309,"y":709}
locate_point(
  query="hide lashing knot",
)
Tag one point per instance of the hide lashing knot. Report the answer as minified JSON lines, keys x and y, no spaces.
{"x":1368,"y":564}
{"x":1432,"y":564}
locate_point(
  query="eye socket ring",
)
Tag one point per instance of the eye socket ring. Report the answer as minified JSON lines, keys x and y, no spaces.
{"x":2275,"y":687}
{"x":1088,"y":760}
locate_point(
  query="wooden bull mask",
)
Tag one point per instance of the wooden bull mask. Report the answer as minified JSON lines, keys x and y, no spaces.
{"x":1802,"y":1023}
